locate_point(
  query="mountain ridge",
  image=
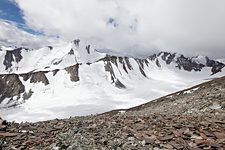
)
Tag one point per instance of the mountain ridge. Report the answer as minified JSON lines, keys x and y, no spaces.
{"x":64,"y":72}
{"x":14,"y":55}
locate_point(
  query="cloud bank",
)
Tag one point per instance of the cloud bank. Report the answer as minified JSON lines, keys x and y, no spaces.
{"x":11,"y":35}
{"x":133,"y":26}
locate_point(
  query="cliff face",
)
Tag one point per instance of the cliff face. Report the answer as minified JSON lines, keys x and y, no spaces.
{"x":39,"y":77}
{"x":12,"y":56}
{"x":74,"y":72}
{"x":10,"y":86}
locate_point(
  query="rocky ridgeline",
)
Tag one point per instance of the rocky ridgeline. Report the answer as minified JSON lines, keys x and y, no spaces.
{"x":190,"y":119}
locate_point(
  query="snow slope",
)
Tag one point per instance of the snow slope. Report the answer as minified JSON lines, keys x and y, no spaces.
{"x":49,"y":58}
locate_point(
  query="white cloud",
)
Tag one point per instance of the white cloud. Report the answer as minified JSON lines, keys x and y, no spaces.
{"x":11,"y":35}
{"x":187,"y":26}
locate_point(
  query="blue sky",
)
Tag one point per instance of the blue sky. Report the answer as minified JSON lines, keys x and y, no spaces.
{"x":9,"y":11}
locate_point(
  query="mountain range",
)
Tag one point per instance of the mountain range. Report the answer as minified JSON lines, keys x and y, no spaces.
{"x":77,"y":79}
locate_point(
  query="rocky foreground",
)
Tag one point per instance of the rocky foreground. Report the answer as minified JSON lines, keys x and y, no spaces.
{"x":190,"y":119}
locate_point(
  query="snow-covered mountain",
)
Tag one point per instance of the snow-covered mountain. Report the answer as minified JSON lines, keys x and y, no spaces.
{"x":76,"y":79}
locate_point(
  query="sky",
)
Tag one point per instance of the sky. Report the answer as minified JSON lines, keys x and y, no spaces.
{"x":132,"y":27}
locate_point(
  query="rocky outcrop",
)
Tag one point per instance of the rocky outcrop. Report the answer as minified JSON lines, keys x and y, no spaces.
{"x":50,"y":47}
{"x":109,"y":68}
{"x":88,"y":48}
{"x":10,"y":86}
{"x":157,"y":63}
{"x":187,"y":64}
{"x":77,"y":42}
{"x":27,"y":95}
{"x":126,"y":65}
{"x":216,"y":66}
{"x":71,"y":52}
{"x":55,"y":72}
{"x":25,"y":76}
{"x":113,"y":59}
{"x":119,"y":84}
{"x":37,"y":77}
{"x":141,"y":66}
{"x":129,"y":66}
{"x":122,"y":61}
{"x":74,"y":72}
{"x":12,"y":56}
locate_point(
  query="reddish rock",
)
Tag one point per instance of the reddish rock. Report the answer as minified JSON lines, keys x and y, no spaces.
{"x":8,"y":134}
{"x":219,"y":135}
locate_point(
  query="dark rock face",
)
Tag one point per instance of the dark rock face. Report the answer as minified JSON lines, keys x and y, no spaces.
{"x":121,"y":60}
{"x":10,"y":86}
{"x":9,"y":57}
{"x":55,"y":72}
{"x":217,"y":69}
{"x":74,"y":72}
{"x":187,"y":64}
{"x":77,"y":42}
{"x":141,"y":66}
{"x":125,"y":62}
{"x":56,"y":62}
{"x":88,"y":48}
{"x":157,"y":63}
{"x":128,"y":63}
{"x":50,"y":47}
{"x":216,"y":66}
{"x":119,"y":84}
{"x":71,"y":52}
{"x":25,"y":76}
{"x":167,"y":57}
{"x":26,"y":96}
{"x":36,"y":77}
{"x":39,"y":77}
{"x":109,"y":68}
{"x":152,"y":57}
{"x":170,"y":58}
{"x":113,"y":59}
